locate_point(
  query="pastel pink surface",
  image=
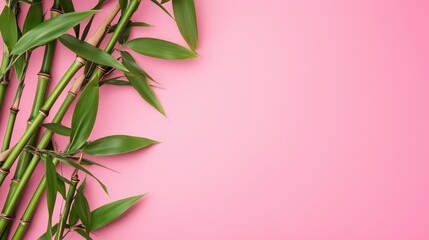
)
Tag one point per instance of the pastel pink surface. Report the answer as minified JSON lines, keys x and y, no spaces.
{"x":301,"y":120}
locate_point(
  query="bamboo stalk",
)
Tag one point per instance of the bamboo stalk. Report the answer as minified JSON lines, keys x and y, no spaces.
{"x":12,"y":117}
{"x":44,"y":110}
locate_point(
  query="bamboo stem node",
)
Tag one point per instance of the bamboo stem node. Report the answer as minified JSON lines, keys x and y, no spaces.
{"x":81,"y":60}
{"x":14,"y":110}
{"x":24,"y":223}
{"x":4,"y":171}
{"x":44,"y":112}
{"x":6,"y":217}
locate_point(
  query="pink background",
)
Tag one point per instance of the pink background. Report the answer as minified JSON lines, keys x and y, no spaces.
{"x":301,"y":120}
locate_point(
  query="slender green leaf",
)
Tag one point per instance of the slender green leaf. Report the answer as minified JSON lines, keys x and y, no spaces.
{"x":51,"y":189}
{"x":61,"y":187}
{"x":133,"y":66}
{"x":73,"y":216}
{"x":125,"y":35}
{"x":58,"y":128}
{"x":164,"y":1}
{"x":145,"y":90}
{"x":82,"y":206}
{"x":89,"y":24}
{"x":123,"y":4}
{"x":90,"y":52}
{"x":84,"y":116}
{"x":9,"y":27}
{"x":45,"y":235}
{"x":49,"y":30}
{"x":162,"y":7}
{"x":109,"y":212}
{"x":186,"y":19}
{"x":160,"y":49}
{"x":34,"y":16}
{"x":115,"y":82}
{"x":130,"y":24}
{"x":68,"y":7}
{"x":83,"y":234}
{"x":21,"y":66}
{"x":117,"y":144}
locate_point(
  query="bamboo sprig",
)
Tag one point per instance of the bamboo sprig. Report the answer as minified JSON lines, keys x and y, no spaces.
{"x":44,"y":110}
{"x":98,"y":35}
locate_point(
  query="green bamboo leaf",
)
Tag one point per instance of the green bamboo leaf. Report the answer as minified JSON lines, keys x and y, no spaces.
{"x":34,"y":16}
{"x":133,"y":67}
{"x":117,"y":144}
{"x":61,"y":187}
{"x":45,"y":235}
{"x":90,"y":52}
{"x":82,"y":205}
{"x":73,"y":217}
{"x":89,"y":24}
{"x":84,"y":116}
{"x":145,"y":90}
{"x":68,"y":7}
{"x":160,"y":49}
{"x":125,"y":35}
{"x":51,"y":189}
{"x":58,"y":128}
{"x":123,"y":4}
{"x":21,"y":66}
{"x":164,"y":1}
{"x":109,"y":212}
{"x":130,"y":24}
{"x":186,"y":19}
{"x":115,"y":82}
{"x":49,"y":30}
{"x":162,"y":7}
{"x":9,"y":27}
{"x":83,"y":234}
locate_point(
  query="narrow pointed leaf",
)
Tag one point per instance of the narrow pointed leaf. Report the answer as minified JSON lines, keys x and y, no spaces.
{"x":21,"y":66}
{"x":45,"y":235}
{"x":49,"y":30}
{"x":186,"y":19}
{"x":123,"y":4}
{"x":82,"y":206}
{"x":133,"y":67}
{"x":34,"y":16}
{"x":109,"y":212}
{"x":158,"y":48}
{"x":84,"y":116}
{"x":162,"y":7}
{"x":61,"y":187}
{"x":145,"y":90}
{"x":83,"y":234}
{"x":68,"y":7}
{"x":115,"y":82}
{"x":58,"y":128}
{"x":164,"y":1}
{"x":51,"y":189}
{"x":91,"y":53}
{"x":117,"y":144}
{"x":8,"y":27}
